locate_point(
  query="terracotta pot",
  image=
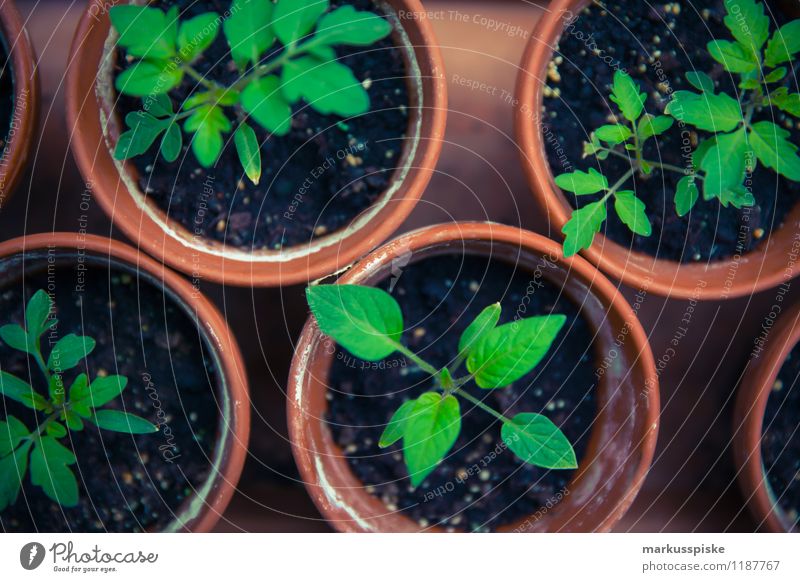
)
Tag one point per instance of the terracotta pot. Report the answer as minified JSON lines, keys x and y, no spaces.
{"x":142,"y":221}
{"x":25,"y":109}
{"x":200,"y":512}
{"x":624,"y":433}
{"x":748,"y":420}
{"x":757,"y":270}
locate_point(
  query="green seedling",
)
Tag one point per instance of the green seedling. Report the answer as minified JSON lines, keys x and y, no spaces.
{"x":369,"y":324}
{"x":284,"y":52}
{"x":64,"y":409}
{"x":722,"y":161}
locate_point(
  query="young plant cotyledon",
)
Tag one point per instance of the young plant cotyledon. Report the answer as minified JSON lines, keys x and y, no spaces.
{"x":721,"y":162}
{"x":64,"y":409}
{"x":284,"y":53}
{"x":368,"y":323}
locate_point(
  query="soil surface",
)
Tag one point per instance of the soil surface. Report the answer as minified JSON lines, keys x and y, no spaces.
{"x":657,"y":45}
{"x":6,"y":93}
{"x":126,"y":482}
{"x":780,"y":445}
{"x":314,"y":181}
{"x":480,"y":485}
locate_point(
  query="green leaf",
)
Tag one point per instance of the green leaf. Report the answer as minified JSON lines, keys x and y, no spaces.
{"x":776,"y":75}
{"x":748,"y":23}
{"x":626,"y":94}
{"x":537,"y":441}
{"x":733,"y":56}
{"x":348,"y":26}
{"x":248,"y":151}
{"x":119,"y":421}
{"x":208,"y":123}
{"x":686,"y":195}
{"x":508,"y":352}
{"x":20,"y":391}
{"x":144,"y":130}
{"x":15,"y":337}
{"x":701,"y":151}
{"x":158,"y":105}
{"x":13,"y":469}
{"x":68,"y":351}
{"x":706,"y":111}
{"x":613,"y":134}
{"x":329,"y":87}
{"x":651,"y":126}
{"x":248,"y":30}
{"x":785,"y":101}
{"x":725,"y":164}
{"x":582,"y":183}
{"x":700,"y":81}
{"x":364,"y":320}
{"x":263,"y":100}
{"x":73,"y":420}
{"x":56,"y":430}
{"x":101,"y":391}
{"x":36,"y":313}
{"x":172,"y":142}
{"x":294,"y":19}
{"x":144,"y":31}
{"x":632,"y":211}
{"x":480,"y":326}
{"x":79,"y":390}
{"x":12,"y":433}
{"x":772,"y":147}
{"x":431,"y":431}
{"x":196,"y":34}
{"x":56,"y":390}
{"x":783,"y":45}
{"x":149,"y":77}
{"x":50,"y":471}
{"x":396,"y":428}
{"x":582,"y":226}
{"x":737,"y":196}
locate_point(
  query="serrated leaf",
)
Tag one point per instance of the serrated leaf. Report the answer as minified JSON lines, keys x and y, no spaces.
{"x":508,"y":352}
{"x":651,"y":126}
{"x":144,"y":31}
{"x":431,"y":431}
{"x":484,"y":323}
{"x":329,"y":87}
{"x":686,"y":195}
{"x":56,"y":430}
{"x":537,"y":441}
{"x":248,"y":30}
{"x":734,"y":57}
{"x":582,"y":226}
{"x":613,"y":134}
{"x":265,"y":103}
{"x":149,"y":78}
{"x":632,"y":212}
{"x":776,"y":75}
{"x":171,"y":142}
{"x":101,"y":391}
{"x":68,"y":351}
{"x":196,"y":34}
{"x":208,"y":123}
{"x":294,"y":19}
{"x":396,"y":428}
{"x":783,"y":45}
{"x":700,"y":81}
{"x":144,"y":130}
{"x":158,"y":105}
{"x":248,"y":151}
{"x":348,"y":26}
{"x":13,"y":469}
{"x":366,"y":321}
{"x":772,"y":147}
{"x":12,"y":432}
{"x":725,"y":164}
{"x":36,"y":313}
{"x":627,"y":95}
{"x":706,"y":111}
{"x":582,"y":183}
{"x":119,"y":421}
{"x":15,"y":337}
{"x":748,"y":23}
{"x":50,"y":471}
{"x":16,"y":389}
{"x":785,"y":101}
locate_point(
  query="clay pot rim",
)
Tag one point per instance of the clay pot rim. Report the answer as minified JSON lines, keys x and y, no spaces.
{"x":636,"y":269}
{"x":748,"y":419}
{"x":428,"y":236}
{"x":222,"y":481}
{"x":26,"y":89}
{"x":299,"y":266}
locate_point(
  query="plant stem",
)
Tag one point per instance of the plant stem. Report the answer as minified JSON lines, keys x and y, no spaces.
{"x":481,"y":405}
{"x":659,"y":165}
{"x":422,"y":364}
{"x":211,"y":85}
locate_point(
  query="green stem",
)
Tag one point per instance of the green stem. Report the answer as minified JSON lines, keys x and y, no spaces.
{"x":481,"y":405}
{"x":422,"y":364}
{"x":211,"y":85}
{"x":659,"y":165}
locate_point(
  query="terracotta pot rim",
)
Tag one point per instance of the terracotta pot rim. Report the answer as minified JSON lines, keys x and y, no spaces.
{"x":26,"y":90}
{"x":304,"y":442}
{"x":201,"y":513}
{"x":636,"y":269}
{"x":748,"y":420}
{"x":142,"y":221}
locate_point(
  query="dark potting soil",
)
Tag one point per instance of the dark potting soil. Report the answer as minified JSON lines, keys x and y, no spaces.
{"x":126,"y":482}
{"x":6,"y":93}
{"x":480,"y":485}
{"x":657,"y":44}
{"x":314,"y":181}
{"x":780,"y":445}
